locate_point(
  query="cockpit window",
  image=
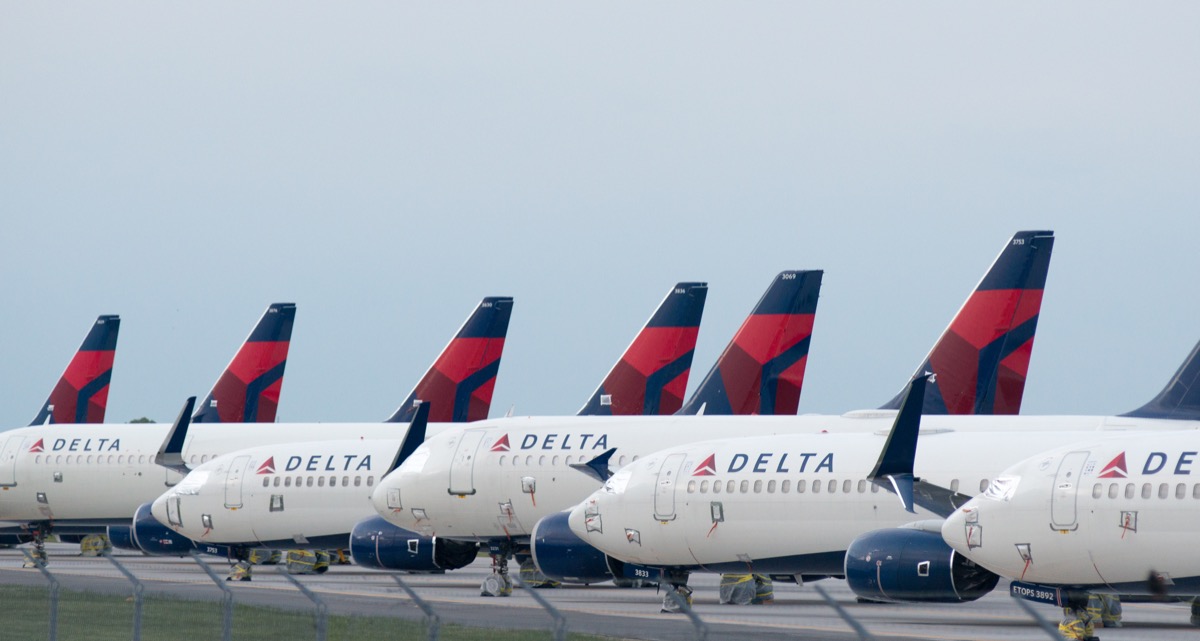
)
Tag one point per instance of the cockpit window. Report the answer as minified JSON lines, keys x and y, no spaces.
{"x":1003,"y":488}
{"x":616,"y":484}
{"x":415,"y":463}
{"x":192,"y":483}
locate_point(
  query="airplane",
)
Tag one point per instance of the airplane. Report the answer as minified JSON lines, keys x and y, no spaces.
{"x":78,"y":479}
{"x":718,"y":506}
{"x":81,"y":395}
{"x":1008,"y":296}
{"x":1112,"y":515}
{"x":782,"y":319}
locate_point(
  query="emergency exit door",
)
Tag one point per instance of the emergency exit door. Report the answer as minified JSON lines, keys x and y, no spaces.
{"x":664,"y":490}
{"x":8,"y":460}
{"x":233,"y":482}
{"x":1066,"y":491}
{"x":462,"y":467}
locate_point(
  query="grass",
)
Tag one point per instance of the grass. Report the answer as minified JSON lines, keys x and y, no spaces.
{"x":86,"y":616}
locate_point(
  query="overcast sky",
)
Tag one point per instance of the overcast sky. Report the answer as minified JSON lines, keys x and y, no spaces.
{"x":386,"y":165}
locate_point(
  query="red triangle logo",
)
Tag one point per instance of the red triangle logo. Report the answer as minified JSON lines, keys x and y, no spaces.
{"x":39,"y":446}
{"x":501,"y":445}
{"x":707,"y":468}
{"x":1115,"y":469}
{"x":268,"y":466}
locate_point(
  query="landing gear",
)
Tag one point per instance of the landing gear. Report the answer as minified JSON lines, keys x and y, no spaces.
{"x":498,"y":583}
{"x":242,"y":567}
{"x":746,"y":589}
{"x":678,"y":595}
{"x":38,"y":556}
{"x":1079,"y":623}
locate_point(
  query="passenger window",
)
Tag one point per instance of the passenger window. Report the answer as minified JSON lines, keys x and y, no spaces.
{"x":357,"y":481}
{"x":816,"y":487}
{"x":704,"y":487}
{"x":983,"y":486}
{"x":1129,"y":490}
{"x":320,"y":481}
{"x":874,"y":488}
{"x":771,"y":487}
{"x":503,"y":458}
{"x":1097,"y":490}
{"x":276,"y":482}
{"x":529,"y":461}
{"x":1181,"y":490}
{"x":1113,"y":488}
{"x":745,"y":487}
{"x":287,"y":482}
{"x":1163,"y":490}
{"x":370,"y":481}
{"x":333,"y":481}
{"x":846,"y":486}
{"x":542,"y":461}
{"x":786,"y":486}
{"x":691,"y":487}
{"x":954,"y":485}
{"x":308,"y":481}
{"x":266,"y":481}
{"x":729,"y":487}
{"x":554,"y":460}
{"x":89,"y":459}
{"x":1196,"y":491}
{"x":758,"y":487}
{"x":801,"y":485}
{"x":622,"y":460}
{"x":1145,"y":490}
{"x":832,"y":486}
{"x":716,"y":487}
{"x":38,"y":458}
{"x":862,"y":486}
{"x":345,"y":481}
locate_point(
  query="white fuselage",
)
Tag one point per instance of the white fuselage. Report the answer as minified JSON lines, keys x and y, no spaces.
{"x":283,"y":493}
{"x":783,"y":501}
{"x":1099,"y":512}
{"x":100,"y":474}
{"x":496,"y":479}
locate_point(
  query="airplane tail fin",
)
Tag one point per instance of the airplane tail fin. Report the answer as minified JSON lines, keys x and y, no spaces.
{"x":982,"y":358}
{"x":81,"y":395}
{"x":761,"y":371}
{"x":1180,"y":399}
{"x":459,"y":385}
{"x":652,"y":375}
{"x":248,"y":390}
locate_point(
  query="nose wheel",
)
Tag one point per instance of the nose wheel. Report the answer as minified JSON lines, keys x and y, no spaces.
{"x":498,"y":583}
{"x":37,"y":556}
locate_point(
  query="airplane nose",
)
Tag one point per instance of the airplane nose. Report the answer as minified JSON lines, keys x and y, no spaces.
{"x":586,"y":519}
{"x":159,"y":508}
{"x":379,"y":498}
{"x":952,"y":531}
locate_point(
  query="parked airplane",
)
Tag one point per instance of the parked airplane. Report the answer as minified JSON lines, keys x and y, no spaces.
{"x":1116,"y":515}
{"x":716,"y":506}
{"x":208,"y":517}
{"x":75,"y":479}
{"x":81,"y":395}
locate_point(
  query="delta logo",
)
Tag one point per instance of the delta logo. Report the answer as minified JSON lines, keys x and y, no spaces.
{"x":268,"y":466}
{"x":707,"y":468}
{"x":40,"y":446}
{"x":1115,"y":469}
{"x":502,"y":445}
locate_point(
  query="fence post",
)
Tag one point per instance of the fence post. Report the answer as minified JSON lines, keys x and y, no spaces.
{"x":701,"y":627}
{"x":1050,"y":628}
{"x":560,"y":622}
{"x":41,"y":566}
{"x":226,"y":598}
{"x":841,"y":612}
{"x":432,"y":620}
{"x":138,"y":589}
{"x":322,"y":609}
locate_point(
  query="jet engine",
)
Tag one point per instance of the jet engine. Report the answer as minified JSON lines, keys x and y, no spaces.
{"x":375,"y":543}
{"x":564,"y":557}
{"x":121,"y":537}
{"x":154,"y":538}
{"x":910,"y":565}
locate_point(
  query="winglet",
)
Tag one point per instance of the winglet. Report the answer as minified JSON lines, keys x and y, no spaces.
{"x":413,"y":437}
{"x":1180,"y":399}
{"x":461,"y":380}
{"x":895,"y":464}
{"x":248,"y":390}
{"x":81,"y":395}
{"x":761,"y":371}
{"x":597,"y":468}
{"x":651,"y":376}
{"x":170,"y":453}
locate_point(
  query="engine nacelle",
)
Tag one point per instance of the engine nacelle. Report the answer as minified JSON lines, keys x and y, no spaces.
{"x":907,"y":565}
{"x":564,"y":557}
{"x":375,"y":543}
{"x":121,"y":536}
{"x":153,"y":537}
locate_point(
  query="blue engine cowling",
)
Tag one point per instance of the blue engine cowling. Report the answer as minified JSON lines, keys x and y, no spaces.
{"x":375,"y":543}
{"x":121,"y":537}
{"x":906,"y":565}
{"x":564,"y":557}
{"x":152,"y":537}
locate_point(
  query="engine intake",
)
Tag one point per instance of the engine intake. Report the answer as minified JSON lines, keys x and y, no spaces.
{"x":907,"y":565}
{"x":564,"y":557}
{"x":375,"y":543}
{"x":154,"y":538}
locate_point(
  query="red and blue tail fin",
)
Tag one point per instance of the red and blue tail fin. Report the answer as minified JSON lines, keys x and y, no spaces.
{"x":459,"y":385}
{"x":81,"y":395}
{"x":652,"y":375}
{"x":982,"y":359}
{"x":248,"y":390}
{"x":762,"y":369}
{"x":1180,"y":399}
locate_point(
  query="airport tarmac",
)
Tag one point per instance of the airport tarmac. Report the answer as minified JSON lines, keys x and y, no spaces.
{"x":798,"y":612}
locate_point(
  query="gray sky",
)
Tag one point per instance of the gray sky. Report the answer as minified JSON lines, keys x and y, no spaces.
{"x":385,"y":165}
